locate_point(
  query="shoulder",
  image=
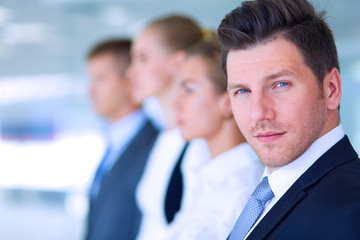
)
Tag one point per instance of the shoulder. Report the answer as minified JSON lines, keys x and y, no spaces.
{"x":336,"y":196}
{"x":342,"y":182}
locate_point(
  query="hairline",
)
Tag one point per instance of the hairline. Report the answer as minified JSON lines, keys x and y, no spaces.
{"x":121,"y":63}
{"x":280,"y":34}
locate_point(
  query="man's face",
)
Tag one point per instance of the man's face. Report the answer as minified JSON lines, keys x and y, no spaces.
{"x":276,"y":100}
{"x":108,"y":88}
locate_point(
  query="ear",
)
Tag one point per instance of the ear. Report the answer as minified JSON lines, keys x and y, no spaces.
{"x":225,"y":105}
{"x":332,"y":89}
{"x":176,"y":61}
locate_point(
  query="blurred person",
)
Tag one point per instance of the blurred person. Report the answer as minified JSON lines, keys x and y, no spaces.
{"x":158,"y":53}
{"x":282,"y":66}
{"x":204,"y":111}
{"x":113,"y":213}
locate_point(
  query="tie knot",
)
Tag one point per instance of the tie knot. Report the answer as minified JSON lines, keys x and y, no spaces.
{"x":263,"y":192}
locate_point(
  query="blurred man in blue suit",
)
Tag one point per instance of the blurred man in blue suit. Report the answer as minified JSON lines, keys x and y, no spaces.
{"x":285,"y":88}
{"x":113,"y":213}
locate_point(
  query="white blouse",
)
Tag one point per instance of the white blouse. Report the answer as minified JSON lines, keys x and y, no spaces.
{"x":150,"y":193}
{"x":215,"y":194}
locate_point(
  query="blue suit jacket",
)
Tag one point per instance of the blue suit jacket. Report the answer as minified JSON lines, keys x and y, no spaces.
{"x":324,"y":203}
{"x":114,"y":215}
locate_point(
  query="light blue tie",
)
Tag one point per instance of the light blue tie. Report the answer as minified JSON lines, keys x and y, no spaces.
{"x":252,"y":210}
{"x":100,"y":174}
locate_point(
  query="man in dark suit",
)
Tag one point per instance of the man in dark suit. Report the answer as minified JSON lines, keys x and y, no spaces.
{"x":282,"y":67}
{"x":113,"y":213}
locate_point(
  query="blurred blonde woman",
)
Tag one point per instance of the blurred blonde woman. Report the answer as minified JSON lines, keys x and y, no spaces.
{"x":158,"y":54}
{"x":215,"y":190}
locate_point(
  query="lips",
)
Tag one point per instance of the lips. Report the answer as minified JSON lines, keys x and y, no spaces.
{"x":268,"y":137}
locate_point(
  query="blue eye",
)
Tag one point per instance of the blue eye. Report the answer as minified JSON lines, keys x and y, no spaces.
{"x":282,"y":84}
{"x":242,"y":91}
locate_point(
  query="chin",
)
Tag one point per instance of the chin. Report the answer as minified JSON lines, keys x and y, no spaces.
{"x":186,"y":136}
{"x":274,"y":164}
{"x":278,"y":159}
{"x":138,"y":99}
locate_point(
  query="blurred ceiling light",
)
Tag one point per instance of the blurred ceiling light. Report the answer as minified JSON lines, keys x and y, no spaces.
{"x":30,"y":88}
{"x":77,"y":2}
{"x":115,"y":16}
{"x":356,"y":70}
{"x":5,"y":15}
{"x":20,"y":33}
{"x":4,"y":50}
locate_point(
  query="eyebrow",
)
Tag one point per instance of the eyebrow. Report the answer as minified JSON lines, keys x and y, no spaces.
{"x":232,"y":86}
{"x":182,"y":82}
{"x":278,"y":74}
{"x":185,"y":81}
{"x":275,"y":75}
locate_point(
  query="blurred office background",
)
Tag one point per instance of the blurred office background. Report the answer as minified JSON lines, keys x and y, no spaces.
{"x":50,"y":139}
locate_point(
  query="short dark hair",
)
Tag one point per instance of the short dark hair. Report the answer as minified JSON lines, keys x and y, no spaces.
{"x":259,"y":21}
{"x":120,"y":48}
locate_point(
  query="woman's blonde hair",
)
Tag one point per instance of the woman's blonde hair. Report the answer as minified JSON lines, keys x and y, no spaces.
{"x":209,"y":49}
{"x":178,"y":32}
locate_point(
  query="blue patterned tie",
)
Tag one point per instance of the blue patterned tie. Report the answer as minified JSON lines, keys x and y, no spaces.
{"x":252,"y":210}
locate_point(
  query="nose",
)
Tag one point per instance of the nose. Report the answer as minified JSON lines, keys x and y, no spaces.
{"x":130,"y":71}
{"x":177,"y":104}
{"x":91,"y":89}
{"x":261,"y":107}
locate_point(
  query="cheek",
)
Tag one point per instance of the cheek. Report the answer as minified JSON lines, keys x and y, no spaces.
{"x":113,"y":89}
{"x":190,"y":107}
{"x":207,"y":115}
{"x":198,"y":106}
{"x":295,"y":111}
{"x":309,"y":114}
{"x":102,"y":91}
{"x":159,"y":67}
{"x":153,"y":77}
{"x":92,"y":89}
{"x":241,"y":115}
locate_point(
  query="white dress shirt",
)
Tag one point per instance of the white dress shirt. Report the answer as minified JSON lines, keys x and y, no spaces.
{"x":283,"y":178}
{"x":215,"y":194}
{"x":151,"y":191}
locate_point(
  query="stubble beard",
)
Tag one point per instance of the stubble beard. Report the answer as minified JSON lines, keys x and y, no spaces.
{"x":274,"y":155}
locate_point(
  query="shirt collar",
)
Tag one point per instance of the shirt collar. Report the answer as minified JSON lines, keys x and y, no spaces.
{"x":220,"y":168}
{"x":122,"y":130}
{"x":282,"y":179}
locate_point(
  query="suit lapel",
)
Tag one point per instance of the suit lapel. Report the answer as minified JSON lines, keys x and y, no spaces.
{"x":128,"y":157}
{"x":339,"y":154}
{"x":133,"y":152}
{"x":278,"y":212}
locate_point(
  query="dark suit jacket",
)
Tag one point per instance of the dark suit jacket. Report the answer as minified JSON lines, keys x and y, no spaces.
{"x":113,"y":215}
{"x":324,"y":203}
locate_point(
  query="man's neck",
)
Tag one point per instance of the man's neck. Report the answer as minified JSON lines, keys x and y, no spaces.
{"x":117,"y":116}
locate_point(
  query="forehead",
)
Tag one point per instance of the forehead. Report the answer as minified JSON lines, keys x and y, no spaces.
{"x":195,"y":63}
{"x":103,"y":59}
{"x":147,"y":39}
{"x":276,"y":55}
{"x":195,"y":68}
